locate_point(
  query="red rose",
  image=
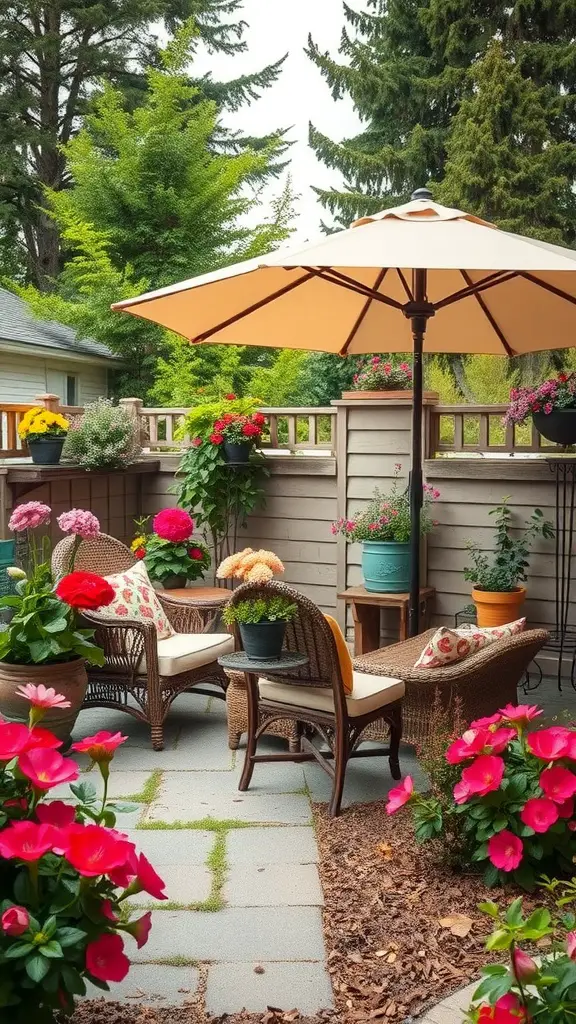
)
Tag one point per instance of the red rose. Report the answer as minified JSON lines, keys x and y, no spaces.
{"x":85,"y":590}
{"x":195,"y":553}
{"x":216,"y":438}
{"x":231,"y":397}
{"x":563,"y":377}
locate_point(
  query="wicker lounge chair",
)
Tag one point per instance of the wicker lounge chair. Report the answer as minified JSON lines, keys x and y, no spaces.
{"x":314,"y":695}
{"x":143,"y":675}
{"x":484,"y":682}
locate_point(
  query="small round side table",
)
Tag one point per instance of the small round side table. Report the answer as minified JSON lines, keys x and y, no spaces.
{"x":208,"y":600}
{"x":237,"y":665}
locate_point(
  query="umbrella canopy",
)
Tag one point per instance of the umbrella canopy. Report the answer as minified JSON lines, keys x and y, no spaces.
{"x":419,"y":276}
{"x":492,"y":291}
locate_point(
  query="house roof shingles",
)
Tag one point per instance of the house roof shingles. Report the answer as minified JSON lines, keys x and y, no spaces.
{"x":17,"y":324}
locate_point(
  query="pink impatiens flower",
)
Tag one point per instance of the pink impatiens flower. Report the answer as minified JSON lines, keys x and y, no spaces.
{"x":571,"y":945}
{"x":521,"y":714}
{"x":29,"y":516}
{"x":471,"y":743}
{"x":400,"y":795}
{"x":558,"y":783}
{"x":484,"y":775}
{"x":539,"y":813}
{"x":101,"y":746}
{"x":505,"y":850}
{"x":56,"y":813}
{"x":15,"y":921}
{"x":484,"y":723}
{"x":43,"y":696}
{"x":550,"y":744}
{"x":80,"y":522}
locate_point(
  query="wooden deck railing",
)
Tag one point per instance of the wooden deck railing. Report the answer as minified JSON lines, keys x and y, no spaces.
{"x":291,"y":429}
{"x":10,"y":443}
{"x":479,"y":428}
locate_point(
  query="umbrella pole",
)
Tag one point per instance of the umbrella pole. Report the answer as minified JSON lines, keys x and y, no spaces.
{"x":419,"y":310}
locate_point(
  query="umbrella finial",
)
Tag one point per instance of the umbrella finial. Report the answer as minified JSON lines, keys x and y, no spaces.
{"x":422,"y":193}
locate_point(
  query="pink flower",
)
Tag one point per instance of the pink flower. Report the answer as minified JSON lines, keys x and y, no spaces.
{"x":484,"y":775}
{"x":550,"y":744}
{"x":484,"y":723}
{"x":525,"y":968}
{"x":499,"y":740}
{"x":15,"y":921}
{"x":42,"y":738}
{"x":84,"y":524}
{"x":140,"y":929}
{"x":400,"y":795}
{"x":47,"y":768}
{"x":470,"y":744}
{"x":558,"y":784}
{"x":522,"y":714}
{"x":14,"y":740}
{"x":101,"y":746}
{"x":539,"y":813}
{"x":29,"y":516}
{"x":107,"y":911}
{"x":506,"y":1010}
{"x":173,"y":524}
{"x":566,"y":809}
{"x":56,"y":813}
{"x":196,"y":442}
{"x":25,"y":840}
{"x":461,"y":793}
{"x":106,"y":960}
{"x":373,"y":526}
{"x":571,"y":945}
{"x":148,"y":880}
{"x":505,"y":850}
{"x":43,"y":697}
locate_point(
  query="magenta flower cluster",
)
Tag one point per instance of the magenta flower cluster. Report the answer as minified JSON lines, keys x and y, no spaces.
{"x":80,"y":522}
{"x":380,"y":374}
{"x":556,"y":393}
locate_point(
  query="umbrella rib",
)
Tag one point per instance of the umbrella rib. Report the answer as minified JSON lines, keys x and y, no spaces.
{"x":549,"y":287}
{"x":362,"y":314}
{"x":488,"y":315}
{"x":336,"y":277}
{"x":405,"y":286}
{"x":252,"y":309}
{"x":499,"y":277}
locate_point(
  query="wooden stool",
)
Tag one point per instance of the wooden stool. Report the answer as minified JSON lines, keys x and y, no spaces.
{"x":366,"y":614}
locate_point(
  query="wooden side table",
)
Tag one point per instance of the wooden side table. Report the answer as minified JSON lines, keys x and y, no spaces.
{"x":209,"y":601}
{"x":366,"y":614}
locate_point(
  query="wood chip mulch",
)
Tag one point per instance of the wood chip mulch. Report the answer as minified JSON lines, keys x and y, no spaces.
{"x":389,"y":956}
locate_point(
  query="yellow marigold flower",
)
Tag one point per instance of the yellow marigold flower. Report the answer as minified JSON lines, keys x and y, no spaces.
{"x":229,"y":566}
{"x":259,"y":573}
{"x":138,"y":542}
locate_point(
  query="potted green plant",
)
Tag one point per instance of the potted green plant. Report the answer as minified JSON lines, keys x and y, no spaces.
{"x":262,"y":624}
{"x":498,"y":592}
{"x":106,"y":437}
{"x":43,"y":642}
{"x":551,"y":406}
{"x":382,"y":377}
{"x":383,"y":529}
{"x":172,"y":556}
{"x":238,"y":435}
{"x":44,"y":432}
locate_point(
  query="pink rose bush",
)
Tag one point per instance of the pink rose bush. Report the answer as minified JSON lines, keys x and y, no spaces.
{"x":529,"y":989}
{"x":507,"y":795}
{"x":65,"y":871}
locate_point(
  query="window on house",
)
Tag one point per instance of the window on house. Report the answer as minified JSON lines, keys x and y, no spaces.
{"x":71,"y":390}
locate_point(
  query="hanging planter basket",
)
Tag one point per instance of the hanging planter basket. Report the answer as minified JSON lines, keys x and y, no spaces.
{"x":558,"y":426}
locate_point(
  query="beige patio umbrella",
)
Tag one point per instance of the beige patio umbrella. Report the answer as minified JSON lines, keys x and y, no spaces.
{"x":419,"y":276}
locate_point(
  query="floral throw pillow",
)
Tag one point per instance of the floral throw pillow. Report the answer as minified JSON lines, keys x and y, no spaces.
{"x":135,"y":598}
{"x":451,"y":645}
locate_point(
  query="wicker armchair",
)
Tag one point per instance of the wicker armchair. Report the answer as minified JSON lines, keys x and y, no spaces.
{"x":484,"y":682}
{"x":314,"y":695}
{"x":142,"y":675}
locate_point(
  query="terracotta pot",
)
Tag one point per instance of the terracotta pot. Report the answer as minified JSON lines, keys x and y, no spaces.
{"x":393,"y":396}
{"x":66,"y":677}
{"x":497,"y":608}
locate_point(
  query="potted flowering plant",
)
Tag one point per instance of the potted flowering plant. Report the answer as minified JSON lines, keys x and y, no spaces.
{"x":508,"y":799}
{"x":262,"y":620}
{"x":65,"y":873}
{"x":44,"y":432}
{"x":238,"y":434}
{"x":551,"y":405}
{"x":171,"y":555}
{"x":528,"y":989}
{"x":498,"y":593}
{"x":44,"y":641}
{"x":381,"y":377}
{"x":383,"y":529}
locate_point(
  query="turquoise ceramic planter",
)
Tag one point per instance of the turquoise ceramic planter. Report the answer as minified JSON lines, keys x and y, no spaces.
{"x":386,"y":566}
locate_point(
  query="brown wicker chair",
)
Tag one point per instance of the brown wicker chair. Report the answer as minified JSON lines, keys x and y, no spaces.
{"x":132,"y":667}
{"x":484,"y":682}
{"x":314,"y":694}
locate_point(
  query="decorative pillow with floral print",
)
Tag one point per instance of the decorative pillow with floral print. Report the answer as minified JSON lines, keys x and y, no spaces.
{"x":450,"y":645}
{"x":135,"y":598}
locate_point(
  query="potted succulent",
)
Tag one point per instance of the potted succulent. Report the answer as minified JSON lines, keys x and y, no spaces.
{"x":498,"y":592}
{"x":383,"y":529}
{"x":171,"y":555}
{"x":43,"y":642}
{"x":551,"y":406}
{"x":262,"y":624}
{"x":380,"y":377}
{"x":44,"y":432}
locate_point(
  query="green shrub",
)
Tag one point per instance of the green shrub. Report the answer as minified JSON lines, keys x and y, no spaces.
{"x":106,"y":438}
{"x":260,"y":609}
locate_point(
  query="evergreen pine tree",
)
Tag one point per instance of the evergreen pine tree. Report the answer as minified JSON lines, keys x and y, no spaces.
{"x":52,"y":59}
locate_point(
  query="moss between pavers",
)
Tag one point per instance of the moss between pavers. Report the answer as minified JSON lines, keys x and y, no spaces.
{"x":149,"y":791}
{"x":217,"y":865}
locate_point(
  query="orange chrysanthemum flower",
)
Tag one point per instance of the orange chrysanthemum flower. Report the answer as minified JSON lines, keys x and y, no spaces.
{"x":229,"y":566}
{"x":259,"y":573}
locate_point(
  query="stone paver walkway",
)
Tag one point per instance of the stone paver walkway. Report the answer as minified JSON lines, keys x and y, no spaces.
{"x":242,"y":926}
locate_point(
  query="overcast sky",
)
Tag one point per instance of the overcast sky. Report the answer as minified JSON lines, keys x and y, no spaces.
{"x":301,"y":94}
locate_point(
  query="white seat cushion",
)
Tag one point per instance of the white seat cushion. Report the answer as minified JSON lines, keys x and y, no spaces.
{"x":182,"y":652}
{"x":368,"y":694}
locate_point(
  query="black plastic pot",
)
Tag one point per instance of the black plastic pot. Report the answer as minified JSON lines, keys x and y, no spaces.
{"x":262,"y":641}
{"x":174,"y":582}
{"x":46,"y":451}
{"x":237,"y":452}
{"x":558,"y":426}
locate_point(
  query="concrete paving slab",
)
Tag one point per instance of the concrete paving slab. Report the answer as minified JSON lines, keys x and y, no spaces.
{"x":121,"y":784}
{"x":272,"y":885}
{"x":152,"y":985}
{"x":235,"y":934}
{"x":192,"y":796}
{"x":366,"y":778}
{"x":185,"y":884}
{"x":302,"y":986}
{"x":275,"y":845}
{"x":173,"y":847}
{"x":282,"y":777}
